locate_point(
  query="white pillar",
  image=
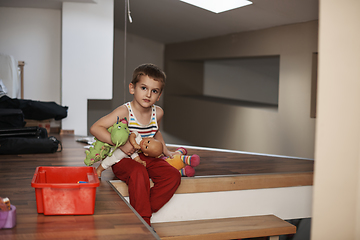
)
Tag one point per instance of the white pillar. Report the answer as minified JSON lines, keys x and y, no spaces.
{"x":336,"y":203}
{"x":87,"y":58}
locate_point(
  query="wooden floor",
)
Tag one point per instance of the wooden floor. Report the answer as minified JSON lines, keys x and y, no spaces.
{"x":113,"y":219}
{"x":226,"y":163}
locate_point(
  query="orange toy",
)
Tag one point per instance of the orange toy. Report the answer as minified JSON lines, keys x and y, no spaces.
{"x":184,"y":163}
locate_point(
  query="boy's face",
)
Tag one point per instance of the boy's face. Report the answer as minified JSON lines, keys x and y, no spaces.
{"x":147,"y":91}
{"x":151,"y":147}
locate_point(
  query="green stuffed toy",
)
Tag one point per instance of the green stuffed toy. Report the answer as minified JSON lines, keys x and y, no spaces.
{"x":119,"y":135}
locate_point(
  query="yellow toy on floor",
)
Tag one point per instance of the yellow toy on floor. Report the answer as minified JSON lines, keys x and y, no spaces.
{"x":184,"y":163}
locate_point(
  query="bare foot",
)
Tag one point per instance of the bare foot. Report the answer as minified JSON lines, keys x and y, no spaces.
{"x":99,"y":170}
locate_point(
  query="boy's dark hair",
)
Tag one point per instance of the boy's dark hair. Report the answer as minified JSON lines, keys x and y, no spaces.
{"x":151,"y":70}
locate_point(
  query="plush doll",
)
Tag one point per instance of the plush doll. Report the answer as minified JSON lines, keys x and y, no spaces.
{"x":184,"y":163}
{"x":119,"y":135}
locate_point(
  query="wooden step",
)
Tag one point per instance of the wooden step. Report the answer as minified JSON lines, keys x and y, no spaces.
{"x":233,"y":183}
{"x":225,"y":228}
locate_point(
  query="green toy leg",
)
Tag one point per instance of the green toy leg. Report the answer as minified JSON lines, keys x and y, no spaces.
{"x":96,"y":153}
{"x":119,"y":133}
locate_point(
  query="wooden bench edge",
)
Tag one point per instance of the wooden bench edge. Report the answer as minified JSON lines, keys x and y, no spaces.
{"x":234,"y":183}
{"x":225,"y":228}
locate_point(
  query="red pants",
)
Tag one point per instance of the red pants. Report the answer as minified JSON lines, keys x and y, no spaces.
{"x":145,"y":200}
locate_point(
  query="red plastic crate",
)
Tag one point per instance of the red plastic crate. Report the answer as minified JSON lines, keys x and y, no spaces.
{"x":58,"y":192}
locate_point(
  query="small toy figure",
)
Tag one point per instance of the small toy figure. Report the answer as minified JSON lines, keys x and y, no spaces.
{"x":119,"y":135}
{"x":4,"y":204}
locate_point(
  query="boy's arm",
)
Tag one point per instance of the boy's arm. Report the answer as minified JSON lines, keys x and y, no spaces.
{"x":133,"y":141}
{"x":99,"y":128}
{"x":158,"y":135}
{"x":166,"y":151}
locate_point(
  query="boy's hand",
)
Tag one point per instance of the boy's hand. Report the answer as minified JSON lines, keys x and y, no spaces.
{"x":169,"y":154}
{"x":127,"y":148}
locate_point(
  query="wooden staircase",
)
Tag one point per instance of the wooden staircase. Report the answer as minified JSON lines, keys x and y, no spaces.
{"x":225,"y":227}
{"x":250,"y":205}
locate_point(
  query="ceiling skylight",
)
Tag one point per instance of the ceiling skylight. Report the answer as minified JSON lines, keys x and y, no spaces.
{"x":217,"y":6}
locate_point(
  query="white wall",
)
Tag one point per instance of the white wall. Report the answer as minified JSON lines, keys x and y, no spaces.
{"x":139,"y":50}
{"x":250,"y":79}
{"x":87,"y":59}
{"x":288,"y":131}
{"x":336,"y":204}
{"x":34,"y":36}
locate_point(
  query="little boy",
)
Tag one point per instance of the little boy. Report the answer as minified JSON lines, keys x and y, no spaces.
{"x":144,"y":117}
